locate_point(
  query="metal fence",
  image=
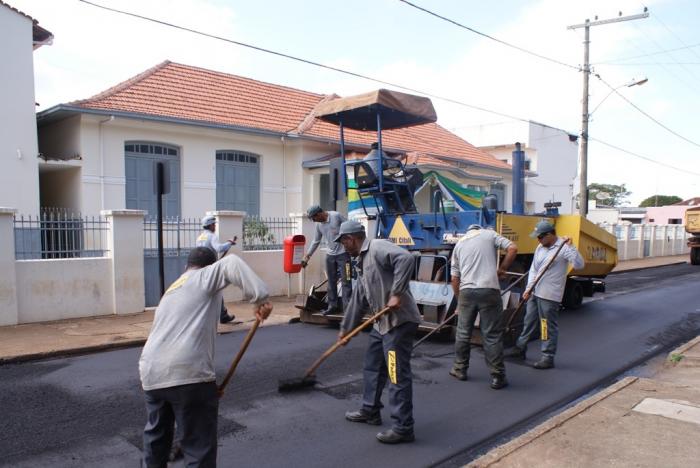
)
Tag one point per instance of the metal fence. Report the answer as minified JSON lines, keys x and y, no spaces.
{"x":266,"y":233}
{"x":57,"y":233}
{"x":178,"y":234}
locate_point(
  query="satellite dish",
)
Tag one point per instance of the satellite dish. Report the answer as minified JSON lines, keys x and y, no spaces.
{"x":602,"y":196}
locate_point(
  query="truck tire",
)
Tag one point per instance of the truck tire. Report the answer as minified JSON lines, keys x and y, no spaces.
{"x":573,"y":295}
{"x":695,"y":256}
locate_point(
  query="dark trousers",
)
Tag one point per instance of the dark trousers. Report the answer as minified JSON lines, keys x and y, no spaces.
{"x":388,"y":357}
{"x":223,"y":314}
{"x":338,"y":268}
{"x":545,"y":314}
{"x":195,"y":408}
{"x":487,"y":304}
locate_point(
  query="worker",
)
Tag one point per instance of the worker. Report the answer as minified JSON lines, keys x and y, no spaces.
{"x":544,"y":302}
{"x":177,"y":362}
{"x":384,"y":271}
{"x":208,"y":238}
{"x":475,"y":284}
{"x":337,"y":260}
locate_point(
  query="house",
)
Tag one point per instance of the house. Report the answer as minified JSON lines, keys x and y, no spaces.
{"x":671,"y":214}
{"x":232,"y":143}
{"x":551,"y":154}
{"x":20,"y":35}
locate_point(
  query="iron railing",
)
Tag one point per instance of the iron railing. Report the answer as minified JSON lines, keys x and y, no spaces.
{"x":266,"y":233}
{"x":178,"y":234}
{"x":58,"y":233}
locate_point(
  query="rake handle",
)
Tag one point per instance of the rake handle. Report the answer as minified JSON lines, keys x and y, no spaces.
{"x":344,"y":341}
{"x":239,"y":356}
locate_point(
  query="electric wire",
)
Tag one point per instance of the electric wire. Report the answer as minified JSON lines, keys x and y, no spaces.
{"x":358,"y":75}
{"x":500,"y":41}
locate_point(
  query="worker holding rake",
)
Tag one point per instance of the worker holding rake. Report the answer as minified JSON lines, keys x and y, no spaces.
{"x":177,"y":361}
{"x":384,"y":271}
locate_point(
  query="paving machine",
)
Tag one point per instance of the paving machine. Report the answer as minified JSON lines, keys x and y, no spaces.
{"x":388,"y":208}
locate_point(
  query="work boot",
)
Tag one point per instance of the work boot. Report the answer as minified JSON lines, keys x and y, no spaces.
{"x":458,"y":374}
{"x":545,"y":362}
{"x":516,"y":353}
{"x":363,"y":416}
{"x":393,"y":437}
{"x":175,"y":452}
{"x":330,"y":311}
{"x":498,"y":382}
{"x":226,"y":318}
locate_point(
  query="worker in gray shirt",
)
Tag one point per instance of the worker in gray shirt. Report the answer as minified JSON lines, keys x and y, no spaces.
{"x":475,"y":284}
{"x":337,"y":260}
{"x":177,"y":362}
{"x":545,"y":301}
{"x":384,"y":272}
{"x":208,"y":238}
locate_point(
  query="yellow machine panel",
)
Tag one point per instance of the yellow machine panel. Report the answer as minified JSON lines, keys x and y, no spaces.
{"x":597,"y":246}
{"x":692,"y":220}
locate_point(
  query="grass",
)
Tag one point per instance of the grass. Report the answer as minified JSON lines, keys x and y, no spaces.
{"x":676,"y":358}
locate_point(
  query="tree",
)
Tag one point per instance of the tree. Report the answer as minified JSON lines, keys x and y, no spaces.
{"x":660,"y":200}
{"x":608,"y":194}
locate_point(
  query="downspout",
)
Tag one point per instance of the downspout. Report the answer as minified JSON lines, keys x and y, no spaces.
{"x":102,"y":161}
{"x":284,"y":175}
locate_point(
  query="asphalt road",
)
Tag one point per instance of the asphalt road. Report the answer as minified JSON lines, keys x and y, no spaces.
{"x":88,"y":410}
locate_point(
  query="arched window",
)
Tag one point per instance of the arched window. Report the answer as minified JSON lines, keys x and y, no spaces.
{"x":139,"y":159}
{"x":238,"y":181}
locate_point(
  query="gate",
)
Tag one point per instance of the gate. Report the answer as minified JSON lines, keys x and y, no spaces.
{"x":179,"y":237}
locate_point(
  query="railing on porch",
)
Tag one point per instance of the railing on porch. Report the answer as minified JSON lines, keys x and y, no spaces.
{"x":59,"y":233}
{"x":178,"y":234}
{"x":267,"y":233}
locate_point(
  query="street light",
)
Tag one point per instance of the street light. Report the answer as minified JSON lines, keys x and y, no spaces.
{"x":628,"y":85}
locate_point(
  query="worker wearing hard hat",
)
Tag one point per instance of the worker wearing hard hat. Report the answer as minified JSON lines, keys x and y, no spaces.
{"x":337,"y":260}
{"x":208,"y":238}
{"x":544,"y":302}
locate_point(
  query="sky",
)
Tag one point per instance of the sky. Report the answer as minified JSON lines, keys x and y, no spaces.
{"x":95,"y":49}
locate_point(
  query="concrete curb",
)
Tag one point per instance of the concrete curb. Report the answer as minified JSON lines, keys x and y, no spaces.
{"x":501,"y":452}
{"x":71,"y":351}
{"x":646,"y":267}
{"x":684,"y":347}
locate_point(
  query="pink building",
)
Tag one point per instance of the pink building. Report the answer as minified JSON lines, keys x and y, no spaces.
{"x":671,"y":214}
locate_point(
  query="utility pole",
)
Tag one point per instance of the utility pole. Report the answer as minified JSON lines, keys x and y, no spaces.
{"x":583,"y":144}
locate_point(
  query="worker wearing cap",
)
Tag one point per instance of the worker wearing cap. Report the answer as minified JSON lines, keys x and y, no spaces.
{"x":544,"y":302}
{"x":384,"y":271}
{"x":176,"y":366}
{"x":208,"y":238}
{"x":475,"y":284}
{"x":337,"y":260}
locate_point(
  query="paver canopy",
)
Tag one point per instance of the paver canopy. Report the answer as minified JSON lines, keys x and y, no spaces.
{"x":395,"y":110}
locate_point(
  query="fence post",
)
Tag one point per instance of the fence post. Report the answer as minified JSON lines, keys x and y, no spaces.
{"x":8,"y":278}
{"x":228,"y":225}
{"x":125,"y":244}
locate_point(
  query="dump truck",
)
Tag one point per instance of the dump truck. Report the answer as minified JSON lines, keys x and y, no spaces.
{"x":692,"y":227}
{"x":390,"y":212}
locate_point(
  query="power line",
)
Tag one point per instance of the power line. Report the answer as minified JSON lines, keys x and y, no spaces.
{"x":650,"y":63}
{"x":624,"y":59}
{"x":500,"y":41}
{"x":646,"y":158}
{"x":614,"y":90}
{"x":339,"y":70}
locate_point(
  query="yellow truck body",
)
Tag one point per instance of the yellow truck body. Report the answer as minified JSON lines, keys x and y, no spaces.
{"x":692,"y":226}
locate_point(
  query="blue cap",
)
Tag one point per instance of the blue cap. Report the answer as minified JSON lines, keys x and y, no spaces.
{"x":349,"y":227}
{"x":543,"y":227}
{"x":313,"y":211}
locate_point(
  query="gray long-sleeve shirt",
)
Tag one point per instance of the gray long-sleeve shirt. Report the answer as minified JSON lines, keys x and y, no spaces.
{"x":180,"y":346}
{"x":474,"y":259}
{"x":383,"y":270}
{"x":551,"y":286}
{"x":210,"y":240}
{"x":328,"y":232}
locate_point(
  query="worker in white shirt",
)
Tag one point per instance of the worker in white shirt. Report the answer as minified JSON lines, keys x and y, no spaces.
{"x":208,"y":238}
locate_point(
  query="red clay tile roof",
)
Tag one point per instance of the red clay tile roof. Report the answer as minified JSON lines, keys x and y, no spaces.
{"x":190,"y":93}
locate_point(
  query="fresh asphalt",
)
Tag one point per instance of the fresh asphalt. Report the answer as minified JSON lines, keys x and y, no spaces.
{"x":88,"y":410}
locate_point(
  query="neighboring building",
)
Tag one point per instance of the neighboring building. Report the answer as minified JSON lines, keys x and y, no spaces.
{"x":20,"y":35}
{"x":232,"y":143}
{"x":671,"y":214}
{"x":601,"y":214}
{"x":632,"y":215}
{"x":551,"y":157}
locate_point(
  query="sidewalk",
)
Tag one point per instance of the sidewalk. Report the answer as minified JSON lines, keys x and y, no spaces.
{"x":77,"y":336}
{"x":650,"y":262}
{"x":640,"y":422}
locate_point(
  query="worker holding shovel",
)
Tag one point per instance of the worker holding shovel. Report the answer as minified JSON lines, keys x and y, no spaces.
{"x":384,"y":271}
{"x":547,"y":277}
{"x":177,"y":362}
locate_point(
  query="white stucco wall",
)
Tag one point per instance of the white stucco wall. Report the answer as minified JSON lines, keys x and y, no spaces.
{"x":19,"y":178}
{"x":60,"y":289}
{"x":552,"y":154}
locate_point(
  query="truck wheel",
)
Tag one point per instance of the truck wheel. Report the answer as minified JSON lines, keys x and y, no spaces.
{"x":695,"y":256}
{"x":573,"y":295}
